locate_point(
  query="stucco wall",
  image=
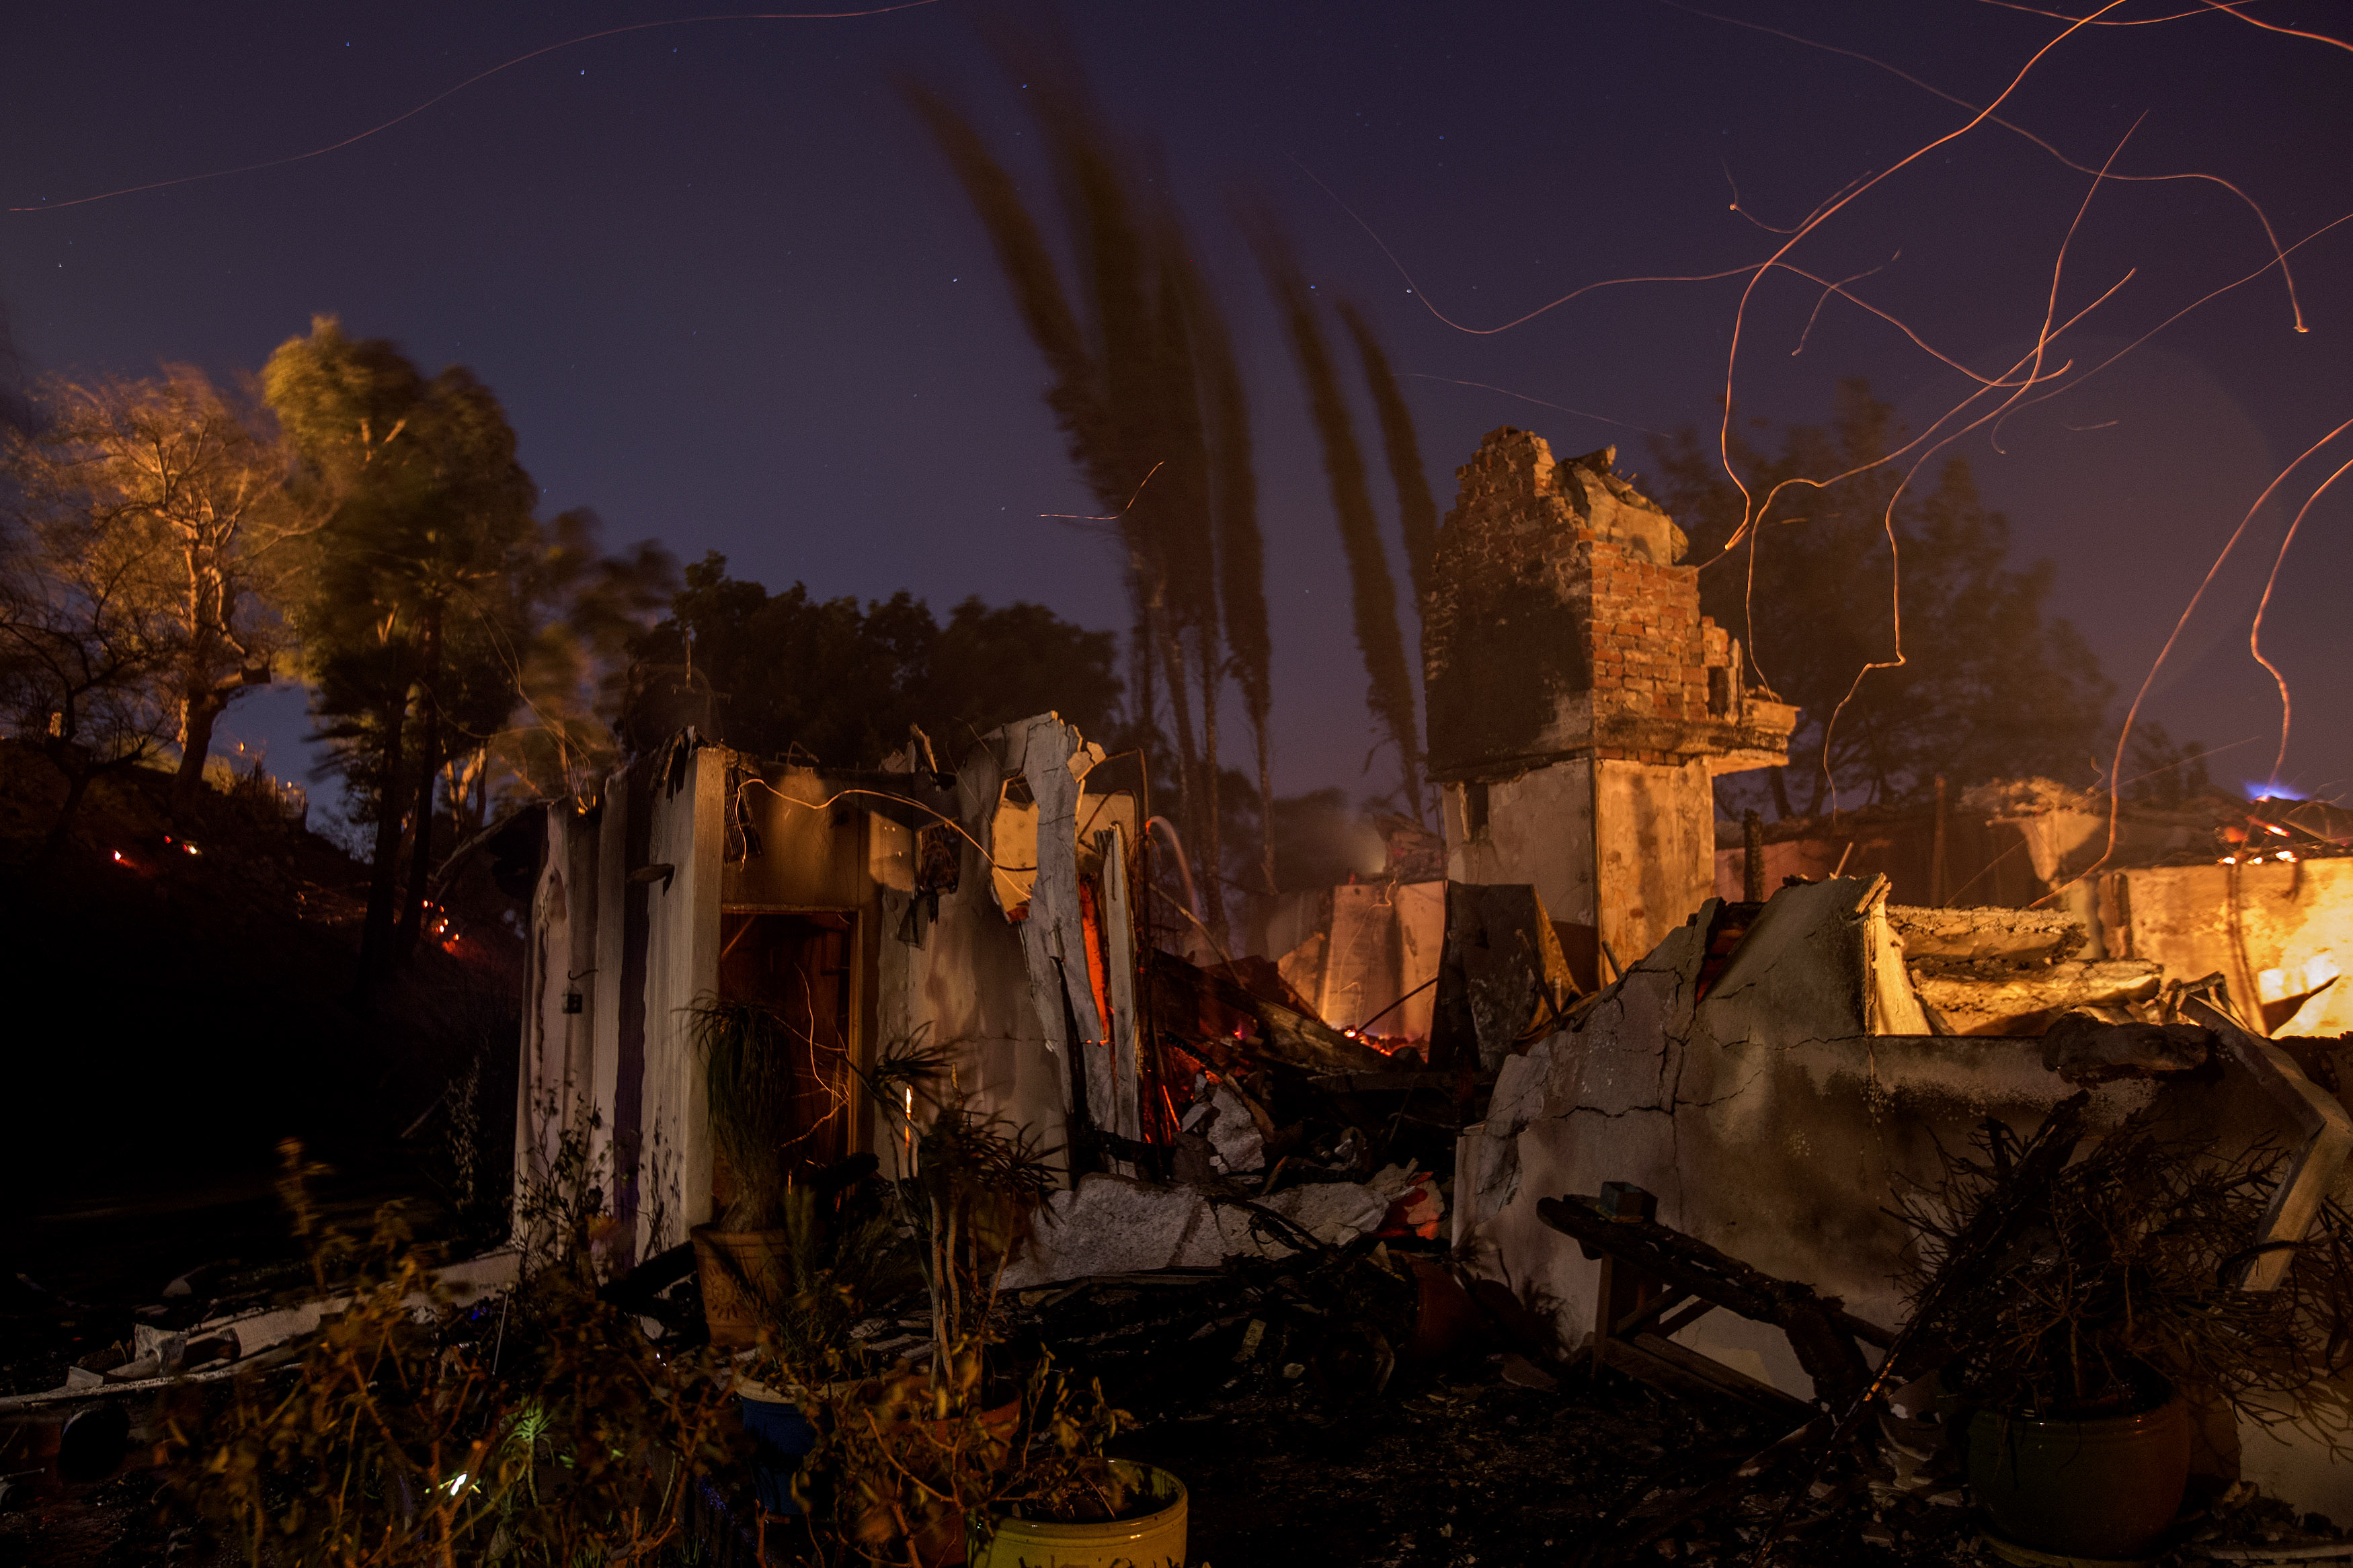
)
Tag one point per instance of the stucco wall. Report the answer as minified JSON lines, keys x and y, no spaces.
{"x":559,"y":1047}
{"x":603,"y":995}
{"x":682,"y":965}
{"x":1655,"y":826}
{"x":1764,"y":1119}
{"x":1539,"y":832}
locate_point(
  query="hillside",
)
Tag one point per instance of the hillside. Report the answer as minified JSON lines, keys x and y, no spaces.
{"x":178,"y":1006}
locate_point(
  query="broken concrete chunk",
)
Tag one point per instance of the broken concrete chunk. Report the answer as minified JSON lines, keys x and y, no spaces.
{"x":1981,"y":935}
{"x":1110,"y":1225}
{"x":2029,"y":1001}
{"x":167,"y":1348}
{"x":2083,"y":1049}
{"x":1416,"y":1203}
{"x":1235,"y":1142}
{"x":1522,"y":1373}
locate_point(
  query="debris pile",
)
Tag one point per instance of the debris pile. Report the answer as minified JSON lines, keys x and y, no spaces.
{"x":2013,"y":972}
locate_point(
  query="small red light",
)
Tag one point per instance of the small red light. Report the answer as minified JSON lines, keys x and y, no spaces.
{"x":117,"y":854}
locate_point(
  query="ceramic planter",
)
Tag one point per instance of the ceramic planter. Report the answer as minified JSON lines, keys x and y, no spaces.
{"x":1153,"y":1540}
{"x":739,"y":1269}
{"x":781,"y":1439}
{"x":2104,"y":1487}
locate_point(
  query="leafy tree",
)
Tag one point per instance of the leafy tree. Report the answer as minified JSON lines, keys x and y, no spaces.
{"x":825,"y":680}
{"x":1989,"y":686}
{"x":588,"y":610}
{"x":169,"y":467}
{"x":413,"y":611}
{"x":86,"y":642}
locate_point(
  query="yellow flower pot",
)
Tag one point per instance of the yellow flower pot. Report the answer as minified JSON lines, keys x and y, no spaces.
{"x":1156,"y":1539}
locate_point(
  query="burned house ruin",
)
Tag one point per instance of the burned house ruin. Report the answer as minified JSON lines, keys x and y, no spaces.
{"x":1576,"y":980}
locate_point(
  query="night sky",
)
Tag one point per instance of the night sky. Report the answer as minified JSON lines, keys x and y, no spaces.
{"x":731,"y":298}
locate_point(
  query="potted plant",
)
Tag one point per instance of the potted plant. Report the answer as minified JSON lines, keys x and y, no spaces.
{"x":2071,"y":1351}
{"x":747,"y":1079}
{"x":918,"y":1455}
{"x":1065,"y":1502}
{"x":839,"y":1253}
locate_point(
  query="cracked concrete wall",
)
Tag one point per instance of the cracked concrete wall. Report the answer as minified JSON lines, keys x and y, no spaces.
{"x":1773,"y":1124}
{"x":1764,"y":1117}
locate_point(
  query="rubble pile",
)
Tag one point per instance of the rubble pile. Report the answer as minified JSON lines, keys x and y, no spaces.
{"x":2013,"y":972}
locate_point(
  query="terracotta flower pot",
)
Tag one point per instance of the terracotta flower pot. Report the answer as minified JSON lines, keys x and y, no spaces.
{"x":2106,"y":1488}
{"x":739,"y":1269}
{"x":1151,"y":1539}
{"x":1444,"y":1317}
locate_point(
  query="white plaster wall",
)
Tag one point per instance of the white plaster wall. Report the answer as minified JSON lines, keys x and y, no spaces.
{"x":604,"y":997}
{"x":1656,"y":825}
{"x":1539,"y":831}
{"x":966,"y":984}
{"x":967,"y":987}
{"x":682,"y":965}
{"x":542,"y":1067}
{"x":1421,"y":942}
{"x":1360,"y":966}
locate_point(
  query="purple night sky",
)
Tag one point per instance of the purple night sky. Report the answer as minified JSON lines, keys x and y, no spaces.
{"x":730,"y":295}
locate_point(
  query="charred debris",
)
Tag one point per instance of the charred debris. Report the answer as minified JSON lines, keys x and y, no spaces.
{"x":1714,"y":1162}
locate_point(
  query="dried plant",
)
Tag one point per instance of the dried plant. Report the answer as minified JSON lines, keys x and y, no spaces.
{"x":747,"y":1063}
{"x":2126,"y":1271}
{"x":908,"y":1452}
{"x":842,"y":1256}
{"x":544,"y":1429}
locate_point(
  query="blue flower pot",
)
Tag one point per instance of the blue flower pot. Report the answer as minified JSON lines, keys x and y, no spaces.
{"x":781,"y":1437}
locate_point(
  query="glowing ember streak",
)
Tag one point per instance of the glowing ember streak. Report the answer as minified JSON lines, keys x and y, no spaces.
{"x":2255,"y":632}
{"x":2116,"y":766}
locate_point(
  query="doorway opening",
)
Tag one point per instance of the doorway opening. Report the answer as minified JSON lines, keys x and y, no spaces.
{"x":798,"y":965}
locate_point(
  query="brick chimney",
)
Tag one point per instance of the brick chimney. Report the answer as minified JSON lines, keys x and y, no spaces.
{"x":1578,"y":702}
